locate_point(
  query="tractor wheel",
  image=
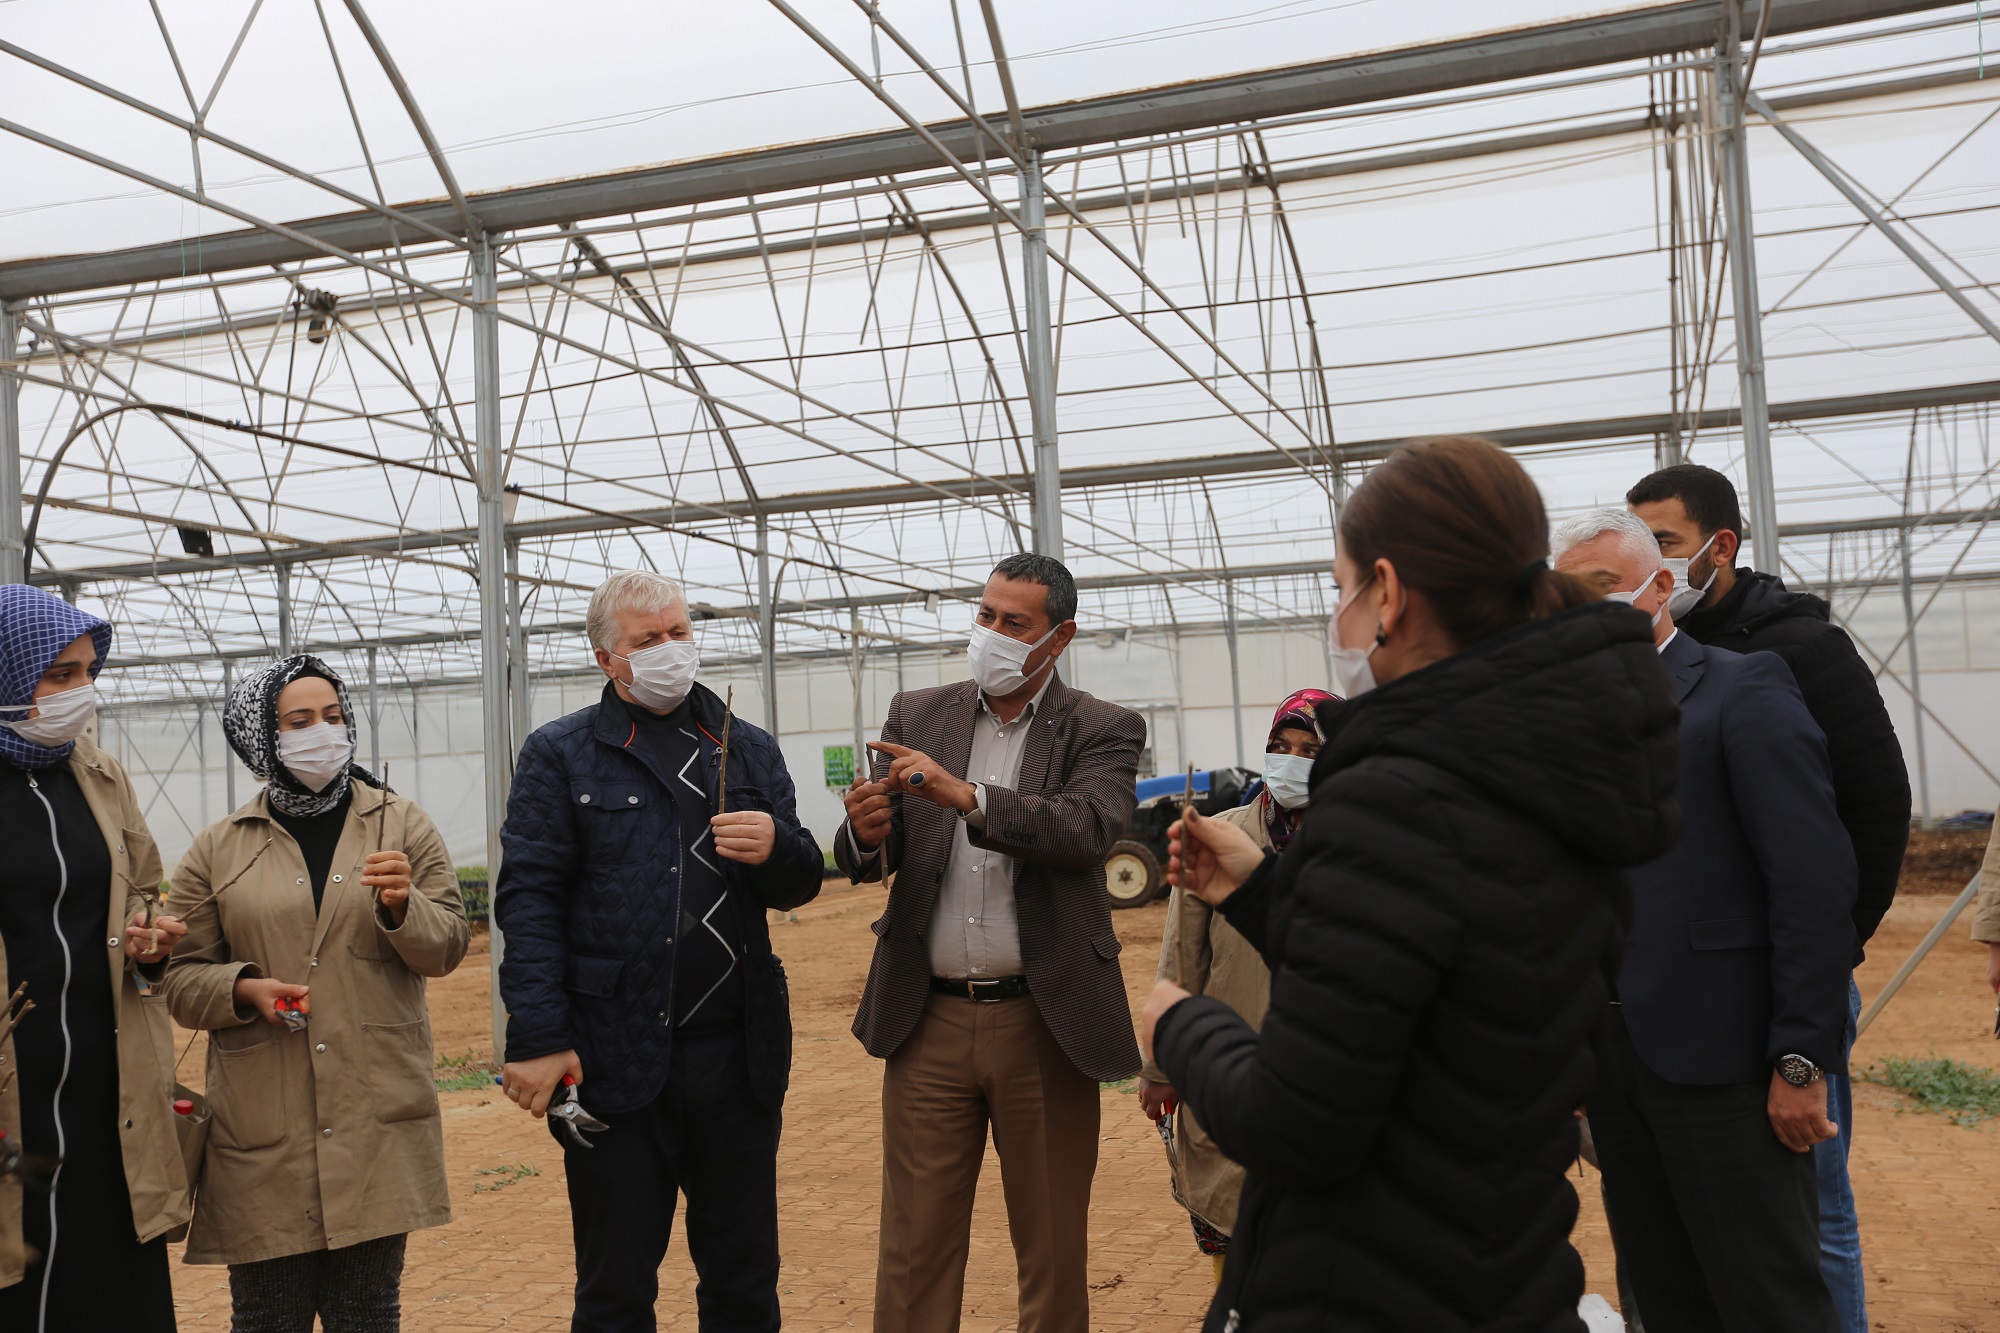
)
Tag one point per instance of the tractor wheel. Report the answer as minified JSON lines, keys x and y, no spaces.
{"x":1132,"y":875}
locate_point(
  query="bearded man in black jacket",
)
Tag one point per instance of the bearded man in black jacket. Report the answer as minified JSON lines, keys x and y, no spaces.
{"x":1694,"y":514}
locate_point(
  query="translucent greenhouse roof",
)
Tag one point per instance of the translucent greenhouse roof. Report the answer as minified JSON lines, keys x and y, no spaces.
{"x":1245,"y":313}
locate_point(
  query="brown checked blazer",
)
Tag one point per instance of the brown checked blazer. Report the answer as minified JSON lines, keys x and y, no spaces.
{"x":1074,"y":800}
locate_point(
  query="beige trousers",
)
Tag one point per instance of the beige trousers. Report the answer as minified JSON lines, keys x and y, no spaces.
{"x":966,"y":1066}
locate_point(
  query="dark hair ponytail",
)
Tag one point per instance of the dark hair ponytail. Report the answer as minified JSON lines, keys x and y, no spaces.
{"x":1463,"y":524}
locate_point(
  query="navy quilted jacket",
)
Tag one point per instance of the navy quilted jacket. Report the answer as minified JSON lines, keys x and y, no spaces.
{"x":588,"y":907}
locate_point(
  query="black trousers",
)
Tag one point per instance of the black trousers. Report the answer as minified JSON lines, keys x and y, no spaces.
{"x":1716,"y":1222}
{"x":705,"y":1136}
{"x":355,"y":1289}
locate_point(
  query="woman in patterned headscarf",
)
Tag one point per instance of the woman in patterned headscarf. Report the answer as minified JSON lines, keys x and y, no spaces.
{"x":315,"y":913}
{"x":91,"y":1176}
{"x":1204,"y":953}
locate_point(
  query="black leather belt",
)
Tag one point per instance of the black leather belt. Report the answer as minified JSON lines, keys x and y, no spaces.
{"x":986,"y":992}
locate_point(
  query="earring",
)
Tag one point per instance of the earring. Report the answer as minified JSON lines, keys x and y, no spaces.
{"x":1381,"y":637}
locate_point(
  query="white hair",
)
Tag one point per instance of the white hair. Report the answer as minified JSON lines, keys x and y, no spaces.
{"x":1632,"y":533}
{"x":639,"y":590}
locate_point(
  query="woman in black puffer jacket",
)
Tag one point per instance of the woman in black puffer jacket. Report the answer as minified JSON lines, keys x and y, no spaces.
{"x":1440,"y":929}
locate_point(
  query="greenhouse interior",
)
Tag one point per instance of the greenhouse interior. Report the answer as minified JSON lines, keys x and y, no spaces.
{"x":388,"y":333}
{"x":891,"y":293}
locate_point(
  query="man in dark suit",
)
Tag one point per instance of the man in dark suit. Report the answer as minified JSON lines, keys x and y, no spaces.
{"x":1731,"y":1003}
{"x":1694,"y":515}
{"x":995,"y":996}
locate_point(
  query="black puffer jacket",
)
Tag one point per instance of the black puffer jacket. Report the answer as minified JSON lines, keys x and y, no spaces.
{"x":1871,"y":787}
{"x":1439,"y":933}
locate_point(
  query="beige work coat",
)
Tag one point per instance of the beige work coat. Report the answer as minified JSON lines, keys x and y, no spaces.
{"x":1205,"y":955}
{"x":327,"y":1137}
{"x":1986,"y":914}
{"x":154,"y":1174}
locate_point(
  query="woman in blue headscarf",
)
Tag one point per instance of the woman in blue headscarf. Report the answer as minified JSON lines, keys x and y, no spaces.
{"x":91,"y":1174}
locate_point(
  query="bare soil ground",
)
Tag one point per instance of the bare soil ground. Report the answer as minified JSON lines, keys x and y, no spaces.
{"x":1929,"y":1212}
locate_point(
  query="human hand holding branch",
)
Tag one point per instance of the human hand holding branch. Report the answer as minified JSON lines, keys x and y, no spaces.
{"x":1209,"y":858}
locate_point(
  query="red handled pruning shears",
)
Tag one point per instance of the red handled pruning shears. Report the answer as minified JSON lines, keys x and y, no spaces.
{"x":569,"y":1115}
{"x":291,"y":1011}
{"x":571,"y":1118}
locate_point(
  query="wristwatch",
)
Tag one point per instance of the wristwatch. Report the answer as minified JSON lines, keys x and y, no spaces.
{"x":1797,"y":1070}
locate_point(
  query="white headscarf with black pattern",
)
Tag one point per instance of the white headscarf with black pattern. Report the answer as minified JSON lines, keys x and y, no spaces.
{"x":250,"y":722}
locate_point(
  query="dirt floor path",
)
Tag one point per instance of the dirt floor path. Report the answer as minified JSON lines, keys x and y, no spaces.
{"x":1930,"y":1219}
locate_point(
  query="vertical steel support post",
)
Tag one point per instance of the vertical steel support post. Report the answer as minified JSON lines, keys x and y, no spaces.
{"x":767,"y":625}
{"x":284,"y":573}
{"x":1734,"y":165}
{"x":13,"y":554}
{"x":1916,"y":679}
{"x":1037,"y":317}
{"x":1235,"y":676}
{"x":374,"y":716}
{"x":494,"y":716}
{"x":861,"y":764}
{"x":228,"y":755}
{"x":519,"y":722}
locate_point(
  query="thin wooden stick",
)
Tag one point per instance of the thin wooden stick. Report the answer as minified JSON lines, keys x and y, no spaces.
{"x":722,"y":768}
{"x":189,"y":914}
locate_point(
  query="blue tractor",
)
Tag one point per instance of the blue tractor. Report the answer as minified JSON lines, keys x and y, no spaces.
{"x":1136,"y":871}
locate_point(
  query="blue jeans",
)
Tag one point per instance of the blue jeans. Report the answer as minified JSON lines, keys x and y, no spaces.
{"x":1839,"y":1229}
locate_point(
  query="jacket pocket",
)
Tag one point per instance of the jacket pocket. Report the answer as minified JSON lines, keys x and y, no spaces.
{"x":398,"y":1057}
{"x":247,"y":1095}
{"x":1736,"y":932}
{"x":880,"y":925}
{"x":594,"y":977}
{"x":1107,"y":945}
{"x":606,"y":816}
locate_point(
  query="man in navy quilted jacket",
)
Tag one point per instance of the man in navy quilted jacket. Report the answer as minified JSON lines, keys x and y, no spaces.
{"x":638,"y":965}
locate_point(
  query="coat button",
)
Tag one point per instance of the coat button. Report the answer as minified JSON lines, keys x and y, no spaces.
{"x":111,"y":943}
{"x":302,"y":881}
{"x":336,"y":879}
{"x":321,"y":1048}
{"x":632,"y":800}
{"x":584,"y":799}
{"x":326,"y":1133}
{"x":128,"y":1124}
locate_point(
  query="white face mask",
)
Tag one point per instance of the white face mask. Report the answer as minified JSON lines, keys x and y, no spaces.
{"x":64,"y":717}
{"x":997,"y":660}
{"x":1351,"y":672}
{"x":1286,"y":777}
{"x":1630,"y":597}
{"x":1685,"y":598}
{"x":316,"y":755}
{"x":663,"y":674}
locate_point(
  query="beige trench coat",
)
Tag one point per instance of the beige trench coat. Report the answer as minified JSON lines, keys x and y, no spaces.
{"x":1207,"y":956}
{"x":327,"y":1137}
{"x":1986,"y":912}
{"x":153,"y":1171}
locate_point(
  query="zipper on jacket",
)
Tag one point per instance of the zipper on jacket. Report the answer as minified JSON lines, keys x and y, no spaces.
{"x":62,"y":1145}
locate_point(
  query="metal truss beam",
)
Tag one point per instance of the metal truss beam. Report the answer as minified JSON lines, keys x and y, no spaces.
{"x":1519,"y":53}
{"x":1606,"y":429}
{"x":982,"y":219}
{"x":753,"y":661}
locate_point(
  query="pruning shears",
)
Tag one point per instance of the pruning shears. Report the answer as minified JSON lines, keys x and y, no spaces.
{"x":291,"y":1012}
{"x":571,"y":1118}
{"x":569,"y":1115}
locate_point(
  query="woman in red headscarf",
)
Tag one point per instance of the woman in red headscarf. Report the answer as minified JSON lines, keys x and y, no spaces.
{"x":1204,"y":954}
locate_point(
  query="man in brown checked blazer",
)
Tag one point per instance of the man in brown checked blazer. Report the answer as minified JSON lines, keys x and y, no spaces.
{"x":995,"y":996}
